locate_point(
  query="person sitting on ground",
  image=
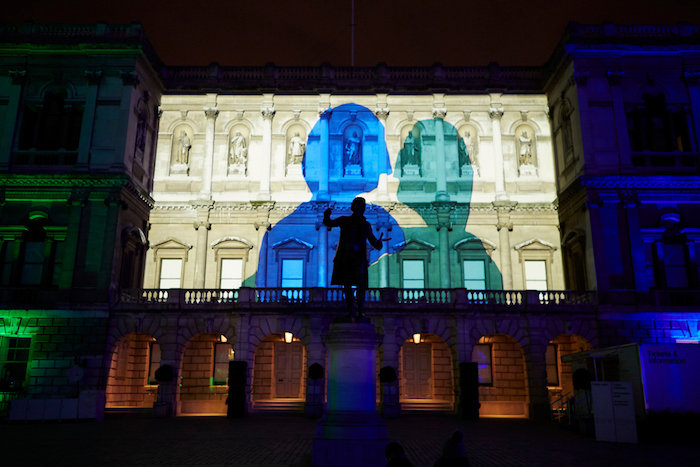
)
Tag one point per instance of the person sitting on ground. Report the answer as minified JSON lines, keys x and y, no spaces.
{"x":453,"y":452}
{"x":395,"y":456}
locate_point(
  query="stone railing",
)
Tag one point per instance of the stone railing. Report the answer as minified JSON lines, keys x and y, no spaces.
{"x":34,"y":158}
{"x":375,"y":299}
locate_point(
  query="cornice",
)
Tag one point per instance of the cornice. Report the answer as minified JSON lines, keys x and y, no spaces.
{"x":658,"y":182}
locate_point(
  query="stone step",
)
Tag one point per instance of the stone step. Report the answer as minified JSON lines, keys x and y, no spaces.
{"x":279,"y":406}
{"x":427,"y":406}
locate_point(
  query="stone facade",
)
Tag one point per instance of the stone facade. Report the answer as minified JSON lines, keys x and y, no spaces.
{"x":156,"y":215}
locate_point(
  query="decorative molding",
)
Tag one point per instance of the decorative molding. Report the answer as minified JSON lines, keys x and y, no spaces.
{"x":211,"y":112}
{"x":496,"y":113}
{"x":440,"y":113}
{"x":691,"y":77}
{"x":615,"y":77}
{"x":467,"y":115}
{"x":297,"y":114}
{"x":183,"y":115}
{"x":581,"y":77}
{"x":268,"y":113}
{"x":533,"y":241}
{"x":409,"y":115}
{"x":232,"y":239}
{"x":18,"y":76}
{"x":382,"y":113}
{"x":180,"y":243}
{"x":93,"y":77}
{"x":475,"y":240}
{"x":302,"y":243}
{"x":129,"y":78}
{"x":523,"y":115}
{"x":239,"y":114}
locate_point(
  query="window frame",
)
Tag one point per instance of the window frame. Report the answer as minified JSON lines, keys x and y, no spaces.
{"x":169,"y":248}
{"x":4,"y":360}
{"x":536,"y":250}
{"x":489,"y":364}
{"x":292,"y":248}
{"x":231,"y":248}
{"x":556,"y":364}
{"x":215,"y":362}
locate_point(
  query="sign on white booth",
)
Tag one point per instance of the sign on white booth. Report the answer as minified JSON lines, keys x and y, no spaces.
{"x":671,"y":376}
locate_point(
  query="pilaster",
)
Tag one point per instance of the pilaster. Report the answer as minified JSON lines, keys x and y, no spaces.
{"x":11,"y":117}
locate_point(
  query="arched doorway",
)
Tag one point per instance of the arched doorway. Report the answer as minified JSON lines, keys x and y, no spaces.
{"x":560,"y":384}
{"x":131,"y":381}
{"x":279,"y":374}
{"x":204,"y":375}
{"x":502,"y":382}
{"x":426,"y":375}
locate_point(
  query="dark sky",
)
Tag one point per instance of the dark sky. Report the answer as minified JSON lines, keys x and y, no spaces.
{"x":309,"y":32}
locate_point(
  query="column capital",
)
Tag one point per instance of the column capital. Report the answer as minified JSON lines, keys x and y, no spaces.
{"x":495,"y":113}
{"x":198,"y":224}
{"x":615,"y":77}
{"x":211,"y":112}
{"x":129,"y":78}
{"x":581,"y":77}
{"x":78,"y":198}
{"x":439,"y":112}
{"x":324,"y":114}
{"x":159,"y":111}
{"x":93,"y":77}
{"x":268,"y":113}
{"x":382,"y":113}
{"x":18,"y":76}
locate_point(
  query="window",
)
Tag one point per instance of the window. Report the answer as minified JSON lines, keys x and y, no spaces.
{"x":153,"y":363}
{"x":222,"y":354}
{"x":675,"y":265}
{"x":413,"y":274}
{"x":481,"y":354}
{"x":656,"y":126}
{"x":535,"y":275}
{"x":474,"y":274}
{"x":170,"y":273}
{"x":552,"y":358}
{"x":292,"y":273}
{"x":231,"y":273}
{"x":14,"y":361}
{"x":53,"y":123}
{"x":7,"y":252}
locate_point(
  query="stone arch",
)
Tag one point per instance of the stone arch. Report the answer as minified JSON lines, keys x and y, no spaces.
{"x":503,"y":387}
{"x":559,"y":373}
{"x":244,"y":122}
{"x":427,"y":369}
{"x":68,"y":86}
{"x":654,"y":88}
{"x":293,"y":122}
{"x":183,"y":122}
{"x":279,"y":367}
{"x":132,"y":361}
{"x":529,"y":123}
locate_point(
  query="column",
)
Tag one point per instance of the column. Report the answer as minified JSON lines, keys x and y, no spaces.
{"x":382,"y":113}
{"x":262,"y":226}
{"x":323,"y":194}
{"x":171,"y":352}
{"x":93,"y":80}
{"x":391,"y":348}
{"x":504,"y":226}
{"x":76,"y":204}
{"x":636,"y":245}
{"x":496,"y":113}
{"x":535,"y":349}
{"x":211,"y":114}
{"x":439,"y":116}
{"x":322,"y":262}
{"x":623,"y":139}
{"x":593,"y":207}
{"x":581,"y":78}
{"x":11,"y":126}
{"x":317,"y":354}
{"x":444,"y":226}
{"x":109,"y":251}
{"x":691,"y":81}
{"x":384,"y":226}
{"x":268,"y":114}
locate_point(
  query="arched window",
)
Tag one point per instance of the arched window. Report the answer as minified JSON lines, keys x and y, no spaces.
{"x":51,"y":123}
{"x":657,"y":126}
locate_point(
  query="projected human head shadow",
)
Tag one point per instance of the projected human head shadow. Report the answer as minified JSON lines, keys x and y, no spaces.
{"x":345,"y":155}
{"x":417,"y":171}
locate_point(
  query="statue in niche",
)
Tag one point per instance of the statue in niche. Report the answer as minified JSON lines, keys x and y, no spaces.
{"x":525,"y":149}
{"x":467,"y":154}
{"x":411,"y":151}
{"x":182,"y":156}
{"x":566,"y":129}
{"x":353,"y":150}
{"x":141,"y":133}
{"x":239,"y":151}
{"x":297,"y":147}
{"x":526,"y":166}
{"x":469,"y":146}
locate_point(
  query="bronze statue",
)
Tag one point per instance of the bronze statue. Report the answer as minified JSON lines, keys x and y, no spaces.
{"x":350,"y":263}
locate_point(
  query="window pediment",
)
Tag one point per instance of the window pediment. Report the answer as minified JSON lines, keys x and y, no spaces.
{"x":474,"y":243}
{"x":414,"y":244}
{"x":535,"y":244}
{"x":232,"y":242}
{"x":171,"y":243}
{"x":293,"y":243}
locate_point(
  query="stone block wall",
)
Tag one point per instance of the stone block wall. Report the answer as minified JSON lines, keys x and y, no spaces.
{"x":57,"y":338}
{"x":442,"y":372}
{"x":127,"y":385}
{"x":262,"y":371}
{"x":198,"y":370}
{"x":654,"y":330}
{"x":567,"y":344}
{"x":508,"y":370}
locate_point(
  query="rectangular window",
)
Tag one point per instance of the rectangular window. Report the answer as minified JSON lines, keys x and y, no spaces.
{"x":552,"y":358}
{"x":14,"y":361}
{"x":231,"y":273}
{"x":7,"y":256}
{"x":474,"y":275}
{"x":170,"y":273}
{"x":413,"y":274}
{"x":222,"y":354}
{"x":674,"y":266}
{"x":57,"y":262}
{"x":481,"y":354}
{"x":536,"y":275}
{"x":153,"y":363}
{"x":32,"y":263}
{"x":649,"y":263}
{"x":292,"y":273}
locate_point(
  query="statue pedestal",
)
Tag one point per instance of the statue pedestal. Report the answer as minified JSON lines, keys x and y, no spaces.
{"x":351,"y":432}
{"x":469,"y":170}
{"x":411,"y":170}
{"x":353,"y":170}
{"x":294,"y":170}
{"x":528,"y":170}
{"x":236,"y":169}
{"x":179,"y":169}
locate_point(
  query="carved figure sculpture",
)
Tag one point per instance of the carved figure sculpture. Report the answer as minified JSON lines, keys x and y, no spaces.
{"x":411,"y":150}
{"x":525,"y":149}
{"x":352,"y":150}
{"x":297,"y":147}
{"x":184,"y":145}
{"x":239,"y":151}
{"x":469,"y":145}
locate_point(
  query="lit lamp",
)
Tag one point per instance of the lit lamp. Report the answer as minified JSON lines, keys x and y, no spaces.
{"x":223,"y":338}
{"x":416,"y":338}
{"x":288,"y":336}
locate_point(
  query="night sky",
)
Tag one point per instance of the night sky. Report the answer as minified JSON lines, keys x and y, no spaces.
{"x":309,"y":32}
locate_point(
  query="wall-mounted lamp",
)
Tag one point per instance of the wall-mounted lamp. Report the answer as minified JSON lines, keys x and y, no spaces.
{"x":223,"y":338}
{"x":288,"y":336}
{"x":416,"y":338}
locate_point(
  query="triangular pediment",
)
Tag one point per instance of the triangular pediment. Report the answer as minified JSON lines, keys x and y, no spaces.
{"x":474,"y":243}
{"x":535,"y":244}
{"x":292,"y":243}
{"x":232,"y":242}
{"x":414,"y":244}
{"x":173,"y":243}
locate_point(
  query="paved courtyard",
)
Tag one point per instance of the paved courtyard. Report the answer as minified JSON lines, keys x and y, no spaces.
{"x":287,"y":441}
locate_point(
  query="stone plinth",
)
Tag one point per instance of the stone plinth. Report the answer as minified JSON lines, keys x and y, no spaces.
{"x":179,"y":169}
{"x":353,"y":170}
{"x":351,"y":432}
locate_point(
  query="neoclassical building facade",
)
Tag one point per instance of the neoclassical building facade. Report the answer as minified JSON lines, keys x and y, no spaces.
{"x":158,"y":215}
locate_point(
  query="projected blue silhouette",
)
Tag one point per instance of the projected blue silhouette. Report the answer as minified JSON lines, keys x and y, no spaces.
{"x":345,"y":155}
